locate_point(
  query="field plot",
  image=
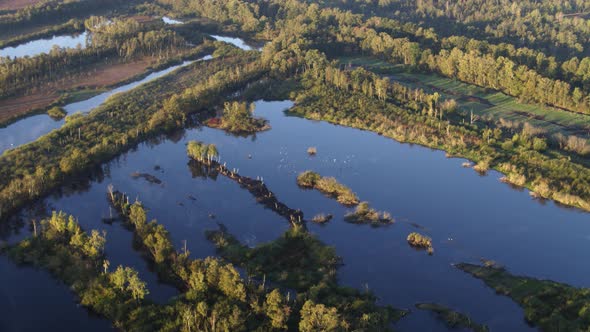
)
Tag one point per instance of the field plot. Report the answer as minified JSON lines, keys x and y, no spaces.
{"x":483,"y":102}
{"x":97,"y":77}
{"x":16,"y":4}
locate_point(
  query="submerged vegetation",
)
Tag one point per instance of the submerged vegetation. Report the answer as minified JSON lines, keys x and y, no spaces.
{"x":329,"y":186}
{"x":547,"y":304}
{"x":364,"y":214}
{"x":451,"y":318}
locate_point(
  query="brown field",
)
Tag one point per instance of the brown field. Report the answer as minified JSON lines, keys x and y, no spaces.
{"x":14,"y":107}
{"x":102,"y":75}
{"x":16,"y":4}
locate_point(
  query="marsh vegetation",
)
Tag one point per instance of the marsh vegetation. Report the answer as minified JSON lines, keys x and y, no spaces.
{"x":418,"y":240}
{"x":547,"y":304}
{"x":365,"y":214}
{"x":329,"y":186}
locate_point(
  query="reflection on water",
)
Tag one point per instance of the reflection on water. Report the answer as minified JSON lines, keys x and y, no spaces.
{"x":39,"y":46}
{"x":467,"y":215}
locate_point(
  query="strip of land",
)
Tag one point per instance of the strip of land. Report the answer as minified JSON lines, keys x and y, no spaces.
{"x":16,"y":4}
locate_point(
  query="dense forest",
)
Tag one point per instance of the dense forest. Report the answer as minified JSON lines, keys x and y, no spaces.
{"x":519,"y":71}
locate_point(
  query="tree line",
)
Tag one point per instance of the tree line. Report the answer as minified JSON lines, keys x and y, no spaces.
{"x":412,"y":45}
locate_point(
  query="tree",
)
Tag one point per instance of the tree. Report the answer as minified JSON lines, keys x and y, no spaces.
{"x":127,"y":279}
{"x":135,"y":285}
{"x":137,"y":215}
{"x":276,"y":310}
{"x":237,"y":117}
{"x":76,"y":161}
{"x":200,"y":151}
{"x":318,"y":317}
{"x":118,"y":278}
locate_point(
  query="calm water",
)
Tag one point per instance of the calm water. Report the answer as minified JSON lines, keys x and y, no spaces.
{"x":468,"y":216}
{"x":30,"y":300}
{"x":40,"y":46}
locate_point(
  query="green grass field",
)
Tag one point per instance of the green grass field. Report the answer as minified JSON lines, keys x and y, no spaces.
{"x":483,"y":102}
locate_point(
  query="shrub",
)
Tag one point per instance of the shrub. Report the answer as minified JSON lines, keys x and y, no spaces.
{"x":308,"y":179}
{"x":322,"y":218}
{"x":507,"y":145}
{"x":365,"y":214}
{"x":420,"y":241}
{"x":57,"y":113}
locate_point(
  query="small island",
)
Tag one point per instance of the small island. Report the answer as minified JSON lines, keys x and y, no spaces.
{"x":237,"y":118}
{"x":322,"y":218}
{"x":420,"y":241}
{"x":201,"y":152}
{"x":364,"y":214}
{"x":57,"y":113}
{"x":329,"y":186}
